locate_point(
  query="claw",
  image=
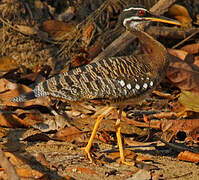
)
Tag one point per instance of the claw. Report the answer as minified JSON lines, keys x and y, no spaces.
{"x":87,"y":153}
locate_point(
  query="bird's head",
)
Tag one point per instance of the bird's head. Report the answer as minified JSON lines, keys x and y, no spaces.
{"x":135,"y":16}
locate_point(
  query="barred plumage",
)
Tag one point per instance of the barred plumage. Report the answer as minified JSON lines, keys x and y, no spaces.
{"x":112,"y":78}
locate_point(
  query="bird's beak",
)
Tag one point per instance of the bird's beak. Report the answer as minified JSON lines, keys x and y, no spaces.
{"x":163,"y":20}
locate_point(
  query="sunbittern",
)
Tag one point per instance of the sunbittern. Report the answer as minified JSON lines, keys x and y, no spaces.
{"x":117,"y":80}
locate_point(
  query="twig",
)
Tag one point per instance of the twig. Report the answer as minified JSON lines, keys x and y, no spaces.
{"x":5,"y":164}
{"x":126,"y":38}
{"x":177,"y":147}
{"x":169,"y":32}
{"x":186,"y":39}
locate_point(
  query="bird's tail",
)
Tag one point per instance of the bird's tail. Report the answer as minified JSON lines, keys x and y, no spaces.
{"x":28,"y":96}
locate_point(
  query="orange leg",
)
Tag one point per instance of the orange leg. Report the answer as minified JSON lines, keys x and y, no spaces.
{"x":105,"y":111}
{"x":119,"y":140}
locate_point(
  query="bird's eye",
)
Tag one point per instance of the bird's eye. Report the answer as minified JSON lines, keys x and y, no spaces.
{"x":141,"y":13}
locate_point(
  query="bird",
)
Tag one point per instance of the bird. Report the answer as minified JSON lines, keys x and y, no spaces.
{"x":118,"y":81}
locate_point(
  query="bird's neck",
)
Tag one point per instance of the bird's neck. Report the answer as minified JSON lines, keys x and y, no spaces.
{"x":158,"y":59}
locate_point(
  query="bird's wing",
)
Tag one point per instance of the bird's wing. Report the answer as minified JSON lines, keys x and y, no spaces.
{"x":112,"y":78}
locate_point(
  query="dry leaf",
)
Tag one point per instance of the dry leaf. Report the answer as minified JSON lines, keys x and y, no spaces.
{"x":181,"y":14}
{"x":128,"y":155}
{"x":190,"y":100}
{"x":83,"y":170}
{"x":93,"y":51}
{"x":7,"y":64}
{"x":58,"y":29}
{"x":16,"y":161}
{"x":6,"y":85}
{"x":3,"y":132}
{"x":182,"y":74}
{"x":189,"y":156}
{"x":68,"y":134}
{"x":79,"y":61}
{"x":28,"y":173}
{"x":181,"y":54}
{"x":9,"y":119}
{"x":87,"y":34}
{"x":27,"y":30}
{"x":191,"y":48}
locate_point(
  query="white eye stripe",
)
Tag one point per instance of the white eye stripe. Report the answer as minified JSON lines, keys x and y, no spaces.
{"x":130,"y":19}
{"x":133,"y":8}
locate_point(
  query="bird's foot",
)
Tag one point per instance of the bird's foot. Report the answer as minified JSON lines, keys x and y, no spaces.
{"x":87,"y":153}
{"x":128,"y":163}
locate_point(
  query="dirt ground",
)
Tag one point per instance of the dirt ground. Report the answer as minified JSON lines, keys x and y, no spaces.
{"x":62,"y":159}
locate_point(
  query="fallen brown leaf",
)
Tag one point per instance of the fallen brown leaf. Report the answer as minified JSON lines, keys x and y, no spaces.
{"x":181,"y":14}
{"x":83,"y":170}
{"x":183,"y":75}
{"x":128,"y":155}
{"x":87,"y":34}
{"x":189,"y":156}
{"x":11,"y":120}
{"x":191,"y":48}
{"x":28,"y":173}
{"x":17,"y":161}
{"x":7,"y":64}
{"x":58,"y":29}
{"x":190,"y":100}
{"x":68,"y":134}
{"x":27,"y":30}
{"x":6,"y":85}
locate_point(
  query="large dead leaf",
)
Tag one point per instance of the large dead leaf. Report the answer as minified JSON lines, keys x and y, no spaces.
{"x":28,"y":173}
{"x":191,"y":48}
{"x":181,"y":14}
{"x":189,"y":156}
{"x":58,"y":29}
{"x":68,"y":134}
{"x":190,"y":100}
{"x":183,"y":74}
